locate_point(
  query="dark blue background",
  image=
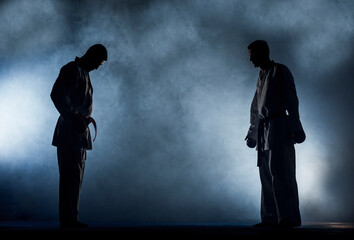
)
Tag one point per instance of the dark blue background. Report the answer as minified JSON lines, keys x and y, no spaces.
{"x":172,"y":106}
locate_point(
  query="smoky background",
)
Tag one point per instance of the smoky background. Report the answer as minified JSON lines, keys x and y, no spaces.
{"x":172,"y":106}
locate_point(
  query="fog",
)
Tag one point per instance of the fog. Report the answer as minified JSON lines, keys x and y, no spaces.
{"x":172,"y":106}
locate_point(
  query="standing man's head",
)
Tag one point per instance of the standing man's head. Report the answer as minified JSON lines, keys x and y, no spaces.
{"x":259,"y":53}
{"x":95,"y":56}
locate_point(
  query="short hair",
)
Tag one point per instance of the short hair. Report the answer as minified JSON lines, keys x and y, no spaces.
{"x":260,"y":47}
{"x":97,"y":51}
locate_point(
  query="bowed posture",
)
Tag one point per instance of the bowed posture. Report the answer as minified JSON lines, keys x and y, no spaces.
{"x":275,"y":128}
{"x":72,"y":96}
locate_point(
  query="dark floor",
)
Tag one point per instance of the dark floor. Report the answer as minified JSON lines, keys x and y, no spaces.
{"x":312,"y":230}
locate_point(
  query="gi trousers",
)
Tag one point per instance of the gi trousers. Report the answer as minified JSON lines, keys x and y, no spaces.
{"x":280,"y":201}
{"x":71,"y":161}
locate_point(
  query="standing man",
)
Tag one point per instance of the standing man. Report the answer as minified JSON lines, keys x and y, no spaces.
{"x":275,"y":128}
{"x":72,"y":97}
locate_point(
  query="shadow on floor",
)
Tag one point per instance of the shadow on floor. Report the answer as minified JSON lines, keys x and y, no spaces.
{"x":186,"y":231}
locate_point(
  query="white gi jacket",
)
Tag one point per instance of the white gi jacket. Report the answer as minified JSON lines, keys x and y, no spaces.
{"x":275,"y":95}
{"x":72,"y":94}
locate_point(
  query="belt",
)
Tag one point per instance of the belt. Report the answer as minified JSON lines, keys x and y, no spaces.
{"x":275,"y":115}
{"x":91,"y":120}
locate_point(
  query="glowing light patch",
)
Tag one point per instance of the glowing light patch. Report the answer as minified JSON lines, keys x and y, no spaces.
{"x":20,"y":108}
{"x":311,"y":170}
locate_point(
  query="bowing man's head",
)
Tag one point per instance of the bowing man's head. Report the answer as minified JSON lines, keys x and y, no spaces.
{"x":95,"y":56}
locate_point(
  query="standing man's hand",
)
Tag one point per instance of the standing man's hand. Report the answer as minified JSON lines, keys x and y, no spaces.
{"x":251,"y":143}
{"x":299,"y":136}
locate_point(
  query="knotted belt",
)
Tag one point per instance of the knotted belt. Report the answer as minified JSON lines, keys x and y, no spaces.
{"x":91,"y":120}
{"x":260,"y":132}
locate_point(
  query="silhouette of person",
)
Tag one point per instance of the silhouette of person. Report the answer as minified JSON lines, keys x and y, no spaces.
{"x":275,"y":128}
{"x":72,"y":97}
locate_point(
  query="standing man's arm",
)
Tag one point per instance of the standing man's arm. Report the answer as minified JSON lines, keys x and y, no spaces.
{"x":292,"y":106}
{"x":253,"y":129}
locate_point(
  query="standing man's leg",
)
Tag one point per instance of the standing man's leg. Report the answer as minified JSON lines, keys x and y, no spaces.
{"x":268,"y":205}
{"x":71,"y":163}
{"x":282,"y":168}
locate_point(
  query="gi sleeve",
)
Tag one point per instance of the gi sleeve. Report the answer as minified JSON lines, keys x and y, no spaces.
{"x":254,"y":119}
{"x":62,"y":90}
{"x":290,"y":100}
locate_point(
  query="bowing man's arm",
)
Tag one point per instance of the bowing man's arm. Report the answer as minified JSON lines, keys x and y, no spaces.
{"x":61,"y":91}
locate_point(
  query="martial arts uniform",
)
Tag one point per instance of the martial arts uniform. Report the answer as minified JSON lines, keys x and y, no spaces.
{"x":71,"y":95}
{"x":274,"y":117}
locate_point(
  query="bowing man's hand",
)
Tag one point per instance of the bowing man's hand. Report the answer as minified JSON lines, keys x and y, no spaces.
{"x":79,"y":123}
